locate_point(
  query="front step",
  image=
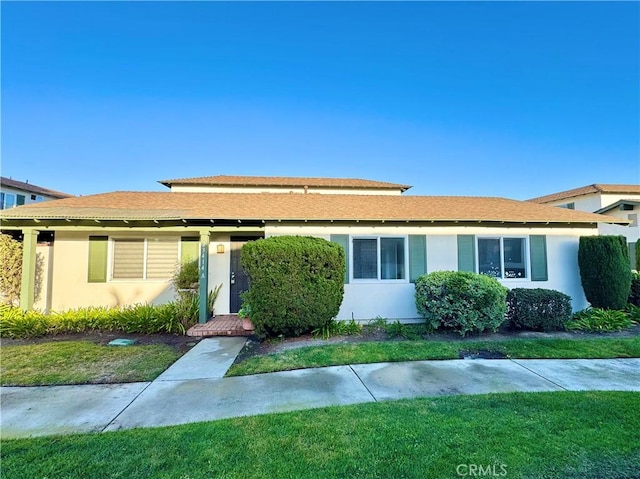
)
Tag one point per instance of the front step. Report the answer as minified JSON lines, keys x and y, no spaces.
{"x":223,"y":325}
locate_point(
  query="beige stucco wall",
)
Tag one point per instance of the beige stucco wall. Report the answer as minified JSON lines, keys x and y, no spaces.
{"x":70,"y":288}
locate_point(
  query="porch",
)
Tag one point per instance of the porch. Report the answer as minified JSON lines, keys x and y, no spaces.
{"x":220,"y":325}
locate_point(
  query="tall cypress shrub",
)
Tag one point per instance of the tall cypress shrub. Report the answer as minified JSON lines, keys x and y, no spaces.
{"x":296,"y":283}
{"x":604,"y":270}
{"x":637,"y":265}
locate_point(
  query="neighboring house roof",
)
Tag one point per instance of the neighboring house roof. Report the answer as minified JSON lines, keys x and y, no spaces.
{"x":587,"y":190}
{"x":277,"y":181}
{"x":122,"y":205}
{"x":21,"y":185}
{"x":615,"y":205}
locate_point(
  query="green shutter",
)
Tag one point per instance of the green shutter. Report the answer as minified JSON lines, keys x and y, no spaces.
{"x":538,"y":246}
{"x":98,"y":248}
{"x":417,"y":256}
{"x":189,"y":248}
{"x":467,"y":253}
{"x":343,"y":240}
{"x":632,"y":255}
{"x":19,"y":200}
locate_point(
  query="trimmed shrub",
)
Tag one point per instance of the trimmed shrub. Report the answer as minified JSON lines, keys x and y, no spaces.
{"x":296,"y":283}
{"x":637,"y":265}
{"x":604,"y":270}
{"x":634,"y":294}
{"x":538,"y":309}
{"x":462,"y":301}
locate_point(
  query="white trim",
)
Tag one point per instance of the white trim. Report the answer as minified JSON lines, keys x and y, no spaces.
{"x":145,"y":259}
{"x":526,"y":252}
{"x":379,"y":279}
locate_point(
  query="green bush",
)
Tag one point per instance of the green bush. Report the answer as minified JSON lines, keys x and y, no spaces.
{"x":295,"y":283}
{"x":337,"y":328}
{"x":462,"y":301}
{"x":15,"y":323}
{"x":538,"y":309}
{"x":598,"y":320}
{"x":173,"y":317}
{"x":637,"y":265}
{"x":634,"y":294}
{"x":186,"y":275}
{"x":604,"y":270}
{"x":633,"y":312}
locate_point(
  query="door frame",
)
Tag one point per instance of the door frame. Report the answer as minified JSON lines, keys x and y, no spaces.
{"x":237,"y":239}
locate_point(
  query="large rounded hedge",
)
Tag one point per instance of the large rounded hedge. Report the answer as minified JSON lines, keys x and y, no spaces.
{"x":296,"y":283}
{"x":462,"y":301}
{"x":605,"y":271}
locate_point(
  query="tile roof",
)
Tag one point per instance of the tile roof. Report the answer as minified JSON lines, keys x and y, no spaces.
{"x":587,"y":190}
{"x":21,"y":185}
{"x":291,"y":207}
{"x":278,"y":181}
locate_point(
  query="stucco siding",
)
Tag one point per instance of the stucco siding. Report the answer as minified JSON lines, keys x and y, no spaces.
{"x":70,"y":288}
{"x":367,"y":300}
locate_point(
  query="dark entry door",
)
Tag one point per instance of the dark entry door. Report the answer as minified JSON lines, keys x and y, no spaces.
{"x":239,"y":281}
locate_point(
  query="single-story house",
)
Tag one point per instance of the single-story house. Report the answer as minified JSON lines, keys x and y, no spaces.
{"x":122,"y":247}
{"x":618,"y":201}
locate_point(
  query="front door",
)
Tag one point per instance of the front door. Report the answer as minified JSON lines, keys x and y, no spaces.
{"x":239,"y":282}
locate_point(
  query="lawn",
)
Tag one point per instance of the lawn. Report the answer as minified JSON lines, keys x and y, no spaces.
{"x":81,"y":362}
{"x":584,"y":435}
{"x":384,"y":351}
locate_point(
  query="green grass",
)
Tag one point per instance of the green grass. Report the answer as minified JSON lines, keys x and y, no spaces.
{"x":81,"y":362}
{"x":390,"y":351}
{"x":584,"y":435}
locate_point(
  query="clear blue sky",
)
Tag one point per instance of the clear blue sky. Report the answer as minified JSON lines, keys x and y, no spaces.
{"x":496,"y":98}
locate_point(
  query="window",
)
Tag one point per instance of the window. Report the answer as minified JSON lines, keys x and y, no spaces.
{"x":379,"y":258}
{"x":502,"y":257}
{"x":148,"y":258}
{"x":7,"y":200}
{"x":33,"y":197}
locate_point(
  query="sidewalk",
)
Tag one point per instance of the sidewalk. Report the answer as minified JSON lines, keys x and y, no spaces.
{"x":193,"y":389}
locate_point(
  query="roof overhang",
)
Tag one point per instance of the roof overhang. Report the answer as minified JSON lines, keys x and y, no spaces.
{"x":618,"y":205}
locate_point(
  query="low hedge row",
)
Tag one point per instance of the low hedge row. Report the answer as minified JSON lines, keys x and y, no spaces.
{"x":174,"y":317}
{"x":468,"y":302}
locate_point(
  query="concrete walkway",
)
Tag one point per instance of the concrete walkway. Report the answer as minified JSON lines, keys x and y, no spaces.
{"x":194,"y":389}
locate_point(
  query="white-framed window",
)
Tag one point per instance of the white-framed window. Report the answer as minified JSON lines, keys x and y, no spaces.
{"x":143,"y":258}
{"x":503,"y":257}
{"x":379,"y":258}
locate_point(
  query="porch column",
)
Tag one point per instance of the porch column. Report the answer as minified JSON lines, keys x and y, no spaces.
{"x":204,"y":276}
{"x":27,"y":287}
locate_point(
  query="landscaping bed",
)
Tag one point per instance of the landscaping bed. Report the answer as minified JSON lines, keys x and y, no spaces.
{"x":257,"y":347}
{"x":180,"y":343}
